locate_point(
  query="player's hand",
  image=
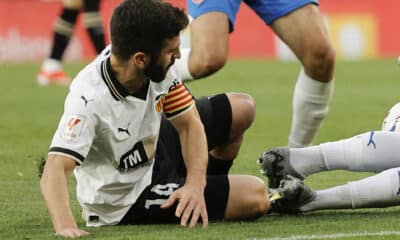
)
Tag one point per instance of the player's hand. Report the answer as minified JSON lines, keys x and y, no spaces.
{"x":71,"y":232}
{"x":191,"y":205}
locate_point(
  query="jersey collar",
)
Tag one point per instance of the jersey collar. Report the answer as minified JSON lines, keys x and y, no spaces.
{"x":118,"y":91}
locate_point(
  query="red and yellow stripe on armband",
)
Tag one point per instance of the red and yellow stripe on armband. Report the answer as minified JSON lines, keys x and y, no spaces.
{"x":177,"y":101}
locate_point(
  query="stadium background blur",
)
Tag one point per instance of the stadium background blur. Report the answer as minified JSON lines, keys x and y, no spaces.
{"x":367,"y":40}
{"x":358,"y":29}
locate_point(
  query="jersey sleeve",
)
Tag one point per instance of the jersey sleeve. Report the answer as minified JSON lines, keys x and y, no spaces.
{"x":76,"y":130}
{"x":177,"y":101}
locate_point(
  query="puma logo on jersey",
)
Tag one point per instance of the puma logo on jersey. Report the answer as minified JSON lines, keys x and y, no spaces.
{"x":125,"y":130}
{"x":86,"y":100}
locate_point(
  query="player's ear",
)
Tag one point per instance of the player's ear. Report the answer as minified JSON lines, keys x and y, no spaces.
{"x":140,"y":59}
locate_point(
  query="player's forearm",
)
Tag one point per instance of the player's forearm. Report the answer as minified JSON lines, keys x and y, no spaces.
{"x":194,"y":150}
{"x":55,"y":193}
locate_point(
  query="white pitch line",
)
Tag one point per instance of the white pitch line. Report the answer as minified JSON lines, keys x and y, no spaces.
{"x":331,"y":236}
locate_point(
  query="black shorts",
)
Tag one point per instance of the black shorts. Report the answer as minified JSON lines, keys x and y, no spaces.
{"x":169,"y":171}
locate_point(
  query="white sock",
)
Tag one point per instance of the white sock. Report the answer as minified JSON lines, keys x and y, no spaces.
{"x":307,"y":161}
{"x":332,"y":198}
{"x":51,"y":65}
{"x":381,"y":190}
{"x":182,"y":65}
{"x":373,"y":151}
{"x":310,"y":106}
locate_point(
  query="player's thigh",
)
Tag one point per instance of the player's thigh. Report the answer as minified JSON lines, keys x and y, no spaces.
{"x":209,"y":35}
{"x":75,"y":4}
{"x":303,"y":30}
{"x":228,"y":8}
{"x":147,"y":208}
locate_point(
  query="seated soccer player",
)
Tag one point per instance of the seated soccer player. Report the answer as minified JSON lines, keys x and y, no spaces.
{"x":142,"y":149}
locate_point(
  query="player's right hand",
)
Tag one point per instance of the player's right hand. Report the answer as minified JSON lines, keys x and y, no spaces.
{"x":71,"y":232}
{"x":191,"y":205}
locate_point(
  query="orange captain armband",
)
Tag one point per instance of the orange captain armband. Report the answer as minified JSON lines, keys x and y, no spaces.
{"x":177,"y":101}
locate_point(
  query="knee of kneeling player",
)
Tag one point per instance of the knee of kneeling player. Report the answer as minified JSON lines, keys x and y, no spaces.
{"x":243,"y":112}
{"x":261,"y":202}
{"x":249,"y":111}
{"x":248,"y":198}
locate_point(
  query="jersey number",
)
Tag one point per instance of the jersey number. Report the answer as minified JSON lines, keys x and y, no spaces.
{"x":161,"y":190}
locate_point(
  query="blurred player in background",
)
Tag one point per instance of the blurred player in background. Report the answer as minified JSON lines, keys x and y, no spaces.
{"x":298,"y":23}
{"x":375,"y":151}
{"x":142,"y":149}
{"x":51,"y":71}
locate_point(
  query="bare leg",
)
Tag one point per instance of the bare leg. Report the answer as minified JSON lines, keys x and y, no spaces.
{"x":209,"y":46}
{"x":248,"y":197}
{"x":305,"y":33}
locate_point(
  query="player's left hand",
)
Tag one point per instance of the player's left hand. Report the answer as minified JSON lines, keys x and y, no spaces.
{"x":191,"y":204}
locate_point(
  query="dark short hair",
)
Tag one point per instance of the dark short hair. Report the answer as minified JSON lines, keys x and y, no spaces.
{"x":144,"y":25}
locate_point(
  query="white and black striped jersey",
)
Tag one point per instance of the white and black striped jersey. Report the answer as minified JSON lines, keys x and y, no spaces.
{"x":113,"y":136}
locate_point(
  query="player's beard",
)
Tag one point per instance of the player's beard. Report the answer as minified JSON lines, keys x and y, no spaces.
{"x":157,"y":72}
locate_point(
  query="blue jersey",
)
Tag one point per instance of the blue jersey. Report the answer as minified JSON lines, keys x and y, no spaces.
{"x":268,"y":10}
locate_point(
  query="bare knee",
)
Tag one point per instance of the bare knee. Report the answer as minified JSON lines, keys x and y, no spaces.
{"x":260,"y":202}
{"x":206,"y":62}
{"x":261,"y":199}
{"x":248,"y":198}
{"x":319,"y":62}
{"x":210,"y":44}
{"x":243,"y":112}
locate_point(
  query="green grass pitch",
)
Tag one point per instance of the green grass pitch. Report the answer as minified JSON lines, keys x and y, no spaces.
{"x":364,"y":91}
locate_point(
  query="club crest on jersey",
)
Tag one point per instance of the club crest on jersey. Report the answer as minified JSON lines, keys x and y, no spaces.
{"x":73,"y":127}
{"x":160,"y":99}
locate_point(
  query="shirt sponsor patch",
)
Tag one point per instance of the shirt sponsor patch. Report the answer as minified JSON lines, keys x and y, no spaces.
{"x":73,"y":127}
